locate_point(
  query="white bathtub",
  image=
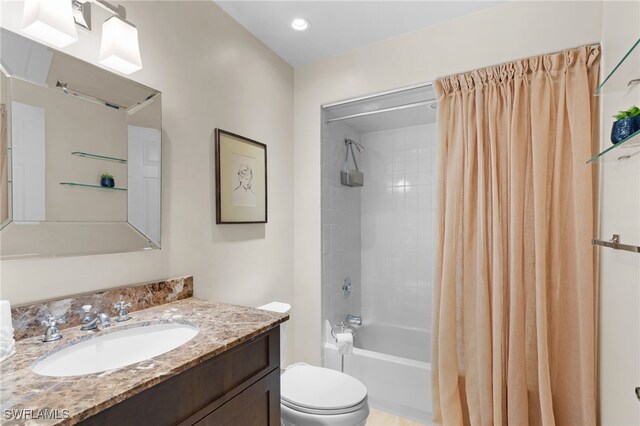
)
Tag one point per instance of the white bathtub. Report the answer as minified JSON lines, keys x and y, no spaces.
{"x":393,"y":364}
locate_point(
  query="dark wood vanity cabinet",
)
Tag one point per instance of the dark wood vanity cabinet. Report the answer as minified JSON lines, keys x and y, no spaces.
{"x":240,"y":387}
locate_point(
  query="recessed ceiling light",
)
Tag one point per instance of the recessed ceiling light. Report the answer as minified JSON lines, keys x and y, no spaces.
{"x":300,"y":24}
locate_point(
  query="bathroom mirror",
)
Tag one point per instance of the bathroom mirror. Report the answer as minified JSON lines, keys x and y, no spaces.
{"x":80,"y":156}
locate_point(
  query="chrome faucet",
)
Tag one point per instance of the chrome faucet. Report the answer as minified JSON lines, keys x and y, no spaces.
{"x":92,"y":324}
{"x":52,"y":333}
{"x":354,"y":319}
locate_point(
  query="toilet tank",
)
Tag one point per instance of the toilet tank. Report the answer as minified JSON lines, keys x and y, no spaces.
{"x":282,"y":308}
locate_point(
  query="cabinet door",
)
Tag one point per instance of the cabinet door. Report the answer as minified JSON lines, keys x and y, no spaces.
{"x":258,"y":405}
{"x":193,"y":394}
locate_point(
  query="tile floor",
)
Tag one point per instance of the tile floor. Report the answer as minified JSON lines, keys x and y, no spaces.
{"x":380,"y":418}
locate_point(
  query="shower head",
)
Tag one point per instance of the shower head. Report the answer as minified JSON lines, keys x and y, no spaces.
{"x":359,"y":147}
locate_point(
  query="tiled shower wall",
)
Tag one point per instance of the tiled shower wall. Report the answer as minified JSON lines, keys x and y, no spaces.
{"x":340,"y":228}
{"x":397,"y":210}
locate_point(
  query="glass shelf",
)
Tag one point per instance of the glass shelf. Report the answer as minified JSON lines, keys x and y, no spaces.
{"x":99,"y":157}
{"x":115,"y":188}
{"x":620,"y":151}
{"x":619,"y":85}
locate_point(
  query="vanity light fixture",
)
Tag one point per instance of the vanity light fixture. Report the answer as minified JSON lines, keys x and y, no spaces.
{"x":50,"y":21}
{"x":119,"y":49}
{"x":53,"y":22}
{"x":300,"y":24}
{"x":82,"y":13}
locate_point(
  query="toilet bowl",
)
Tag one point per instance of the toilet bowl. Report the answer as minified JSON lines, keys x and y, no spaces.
{"x":315,"y":396}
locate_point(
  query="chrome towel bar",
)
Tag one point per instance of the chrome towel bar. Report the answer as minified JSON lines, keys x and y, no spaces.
{"x":614,"y":243}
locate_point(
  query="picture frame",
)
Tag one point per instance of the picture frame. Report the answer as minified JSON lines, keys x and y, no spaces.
{"x":241,"y":179}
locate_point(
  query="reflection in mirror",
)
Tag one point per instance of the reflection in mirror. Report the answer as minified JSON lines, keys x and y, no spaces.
{"x":5,"y":187}
{"x":80,"y":164}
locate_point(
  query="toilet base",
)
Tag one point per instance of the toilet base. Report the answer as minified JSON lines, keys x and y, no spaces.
{"x":291,"y":417}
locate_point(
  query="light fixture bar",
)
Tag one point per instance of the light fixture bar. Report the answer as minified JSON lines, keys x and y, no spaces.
{"x":82,"y":13}
{"x":118,"y":10}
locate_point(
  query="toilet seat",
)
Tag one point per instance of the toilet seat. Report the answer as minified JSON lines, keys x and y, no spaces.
{"x":321,"y":391}
{"x":324,"y":412}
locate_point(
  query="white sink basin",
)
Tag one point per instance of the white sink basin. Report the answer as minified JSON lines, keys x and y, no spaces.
{"x":115,"y":350}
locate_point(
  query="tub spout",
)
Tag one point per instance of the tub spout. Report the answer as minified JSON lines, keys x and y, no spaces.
{"x":354,"y":319}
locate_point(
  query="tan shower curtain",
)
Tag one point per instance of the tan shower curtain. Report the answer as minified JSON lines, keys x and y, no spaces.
{"x":515,"y":288}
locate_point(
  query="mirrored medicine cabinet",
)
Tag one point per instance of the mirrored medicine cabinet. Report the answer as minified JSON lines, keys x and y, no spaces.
{"x":80,"y":156}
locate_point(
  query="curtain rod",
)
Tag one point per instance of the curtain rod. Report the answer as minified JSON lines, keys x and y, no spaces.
{"x":375,"y":95}
{"x":378,"y":111}
{"x":596,"y":44}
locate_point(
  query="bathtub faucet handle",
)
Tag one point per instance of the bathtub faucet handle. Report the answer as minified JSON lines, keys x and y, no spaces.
{"x":354,"y":319}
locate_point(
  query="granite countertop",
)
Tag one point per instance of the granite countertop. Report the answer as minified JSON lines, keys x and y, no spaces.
{"x":73,"y":399}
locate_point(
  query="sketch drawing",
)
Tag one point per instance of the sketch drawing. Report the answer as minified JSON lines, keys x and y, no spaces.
{"x":242,"y":181}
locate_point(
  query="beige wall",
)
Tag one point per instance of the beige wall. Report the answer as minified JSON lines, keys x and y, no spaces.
{"x":500,"y":34}
{"x":213,"y":73}
{"x":620,"y":214}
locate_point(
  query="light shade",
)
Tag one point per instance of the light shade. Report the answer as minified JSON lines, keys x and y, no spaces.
{"x":119,"y":49}
{"x":50,"y":21}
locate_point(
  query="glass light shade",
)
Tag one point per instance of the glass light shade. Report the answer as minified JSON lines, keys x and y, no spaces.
{"x":50,"y":21}
{"x":119,"y":49}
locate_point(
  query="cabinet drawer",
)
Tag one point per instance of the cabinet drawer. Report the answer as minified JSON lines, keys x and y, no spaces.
{"x":258,"y":405}
{"x":191,"y":395}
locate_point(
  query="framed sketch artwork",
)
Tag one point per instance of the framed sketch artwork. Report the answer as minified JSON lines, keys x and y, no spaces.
{"x":241,"y":179}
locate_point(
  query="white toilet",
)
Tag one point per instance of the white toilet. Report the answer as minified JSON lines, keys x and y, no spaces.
{"x":315,"y":396}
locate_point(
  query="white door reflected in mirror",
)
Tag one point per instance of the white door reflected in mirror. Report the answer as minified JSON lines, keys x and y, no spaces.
{"x":144,"y":161}
{"x":28,"y":162}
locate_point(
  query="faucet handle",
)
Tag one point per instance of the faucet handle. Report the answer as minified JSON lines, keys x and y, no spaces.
{"x":51,"y":321}
{"x":121,"y":307}
{"x":86,"y":310}
{"x":52,"y":333}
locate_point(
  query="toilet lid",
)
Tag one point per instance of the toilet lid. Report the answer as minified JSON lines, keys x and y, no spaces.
{"x":316,"y":388}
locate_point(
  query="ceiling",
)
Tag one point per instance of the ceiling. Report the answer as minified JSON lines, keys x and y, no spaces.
{"x":339,"y":26}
